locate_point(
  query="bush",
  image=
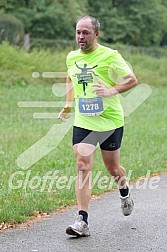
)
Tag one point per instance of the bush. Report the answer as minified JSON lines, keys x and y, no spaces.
{"x":11,"y":29}
{"x":52,"y":43}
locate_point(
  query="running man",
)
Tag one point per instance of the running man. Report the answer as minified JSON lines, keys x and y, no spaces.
{"x":98,"y":114}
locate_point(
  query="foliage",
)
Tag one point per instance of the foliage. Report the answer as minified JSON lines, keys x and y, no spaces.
{"x":49,"y":19}
{"x":11,"y":29}
{"x":52,"y":43}
{"x":136,"y":22}
{"x":164,"y":40}
{"x":17,"y":65}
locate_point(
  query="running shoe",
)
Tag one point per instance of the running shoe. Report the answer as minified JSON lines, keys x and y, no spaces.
{"x":127,"y":205}
{"x":79,"y":228}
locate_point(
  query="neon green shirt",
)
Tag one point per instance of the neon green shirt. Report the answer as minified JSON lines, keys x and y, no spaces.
{"x":105,"y":65}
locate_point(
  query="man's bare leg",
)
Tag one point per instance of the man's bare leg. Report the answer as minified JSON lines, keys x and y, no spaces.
{"x":84,"y":161}
{"x":112,"y":162}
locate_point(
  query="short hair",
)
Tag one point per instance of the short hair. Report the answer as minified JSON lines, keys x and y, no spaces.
{"x":94,"y":21}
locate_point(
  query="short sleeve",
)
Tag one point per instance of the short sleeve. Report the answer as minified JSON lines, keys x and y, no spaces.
{"x":120,"y":66}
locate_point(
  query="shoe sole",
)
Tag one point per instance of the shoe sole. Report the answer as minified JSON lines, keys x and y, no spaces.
{"x":71,"y":231}
{"x":128,"y":213}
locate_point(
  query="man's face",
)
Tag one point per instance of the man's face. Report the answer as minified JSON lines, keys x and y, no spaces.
{"x":86,"y":37}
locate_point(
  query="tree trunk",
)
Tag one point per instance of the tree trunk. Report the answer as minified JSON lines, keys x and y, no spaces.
{"x":26,"y":43}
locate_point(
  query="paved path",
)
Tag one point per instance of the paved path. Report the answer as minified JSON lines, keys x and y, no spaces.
{"x":144,"y":230}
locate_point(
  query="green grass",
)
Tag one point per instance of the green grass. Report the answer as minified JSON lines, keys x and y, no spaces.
{"x":17,"y":65}
{"x":143,"y":149}
{"x":143,"y":145}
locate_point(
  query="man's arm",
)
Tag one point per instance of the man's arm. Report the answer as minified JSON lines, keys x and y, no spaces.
{"x":129,"y":82}
{"x":69,"y":92}
{"x":64,"y":113}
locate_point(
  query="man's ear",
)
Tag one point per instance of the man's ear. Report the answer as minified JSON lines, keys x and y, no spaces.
{"x":97,"y":34}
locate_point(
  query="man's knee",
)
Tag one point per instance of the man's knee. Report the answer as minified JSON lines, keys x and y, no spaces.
{"x":113,"y":169}
{"x":83,"y":165}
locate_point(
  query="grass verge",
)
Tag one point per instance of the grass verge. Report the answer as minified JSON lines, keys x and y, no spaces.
{"x":24,"y":191}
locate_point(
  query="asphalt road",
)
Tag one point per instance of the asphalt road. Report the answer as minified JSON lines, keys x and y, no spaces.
{"x":144,"y":230}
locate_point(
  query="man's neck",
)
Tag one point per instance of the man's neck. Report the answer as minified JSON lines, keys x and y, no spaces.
{"x":90,"y":50}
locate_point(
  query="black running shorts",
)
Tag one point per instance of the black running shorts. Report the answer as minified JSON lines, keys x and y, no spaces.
{"x":108,"y":140}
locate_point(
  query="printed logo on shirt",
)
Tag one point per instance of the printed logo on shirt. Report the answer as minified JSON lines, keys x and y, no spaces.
{"x":86,"y":75}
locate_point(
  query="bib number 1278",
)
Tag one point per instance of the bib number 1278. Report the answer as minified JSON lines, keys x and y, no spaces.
{"x":91,"y":106}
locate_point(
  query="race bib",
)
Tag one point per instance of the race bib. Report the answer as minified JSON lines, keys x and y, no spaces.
{"x":91,"y":106}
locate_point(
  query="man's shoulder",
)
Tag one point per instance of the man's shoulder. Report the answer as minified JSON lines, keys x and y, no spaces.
{"x":108,"y":49}
{"x":72,"y":54}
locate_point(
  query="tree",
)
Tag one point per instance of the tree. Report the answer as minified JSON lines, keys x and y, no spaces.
{"x":136,"y":22}
{"x":11,"y":29}
{"x":49,"y":19}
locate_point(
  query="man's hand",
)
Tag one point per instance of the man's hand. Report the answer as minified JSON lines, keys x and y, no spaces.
{"x":102,"y":90}
{"x":128,"y":82}
{"x":64,"y":113}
